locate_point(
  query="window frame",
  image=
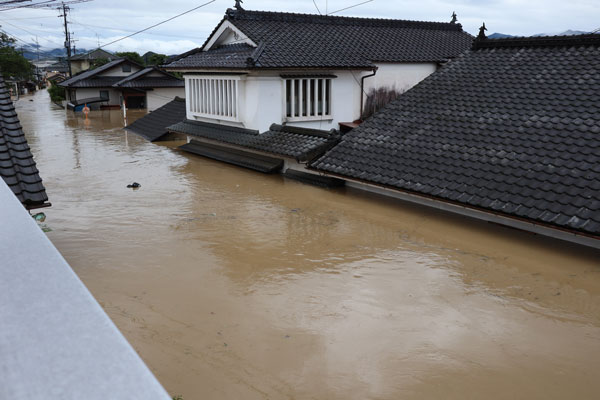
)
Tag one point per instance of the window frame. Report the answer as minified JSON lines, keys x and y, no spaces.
{"x":231,"y":110}
{"x":307,"y":93}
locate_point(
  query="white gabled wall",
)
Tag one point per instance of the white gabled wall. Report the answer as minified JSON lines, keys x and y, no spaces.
{"x":263,"y":104}
{"x":160,"y":96}
{"x":262,"y":95}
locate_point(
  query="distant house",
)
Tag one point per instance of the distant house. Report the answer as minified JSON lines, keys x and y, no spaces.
{"x":83,"y":62}
{"x":121,"y":81}
{"x":260,"y":68}
{"x":17,"y":167}
{"x":509,"y":132}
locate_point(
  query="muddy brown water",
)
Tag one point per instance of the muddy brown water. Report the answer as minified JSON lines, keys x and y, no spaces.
{"x":236,"y":285}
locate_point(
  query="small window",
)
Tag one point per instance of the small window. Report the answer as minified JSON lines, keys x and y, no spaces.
{"x":104,"y":94}
{"x":126,"y":68}
{"x":308,"y":98}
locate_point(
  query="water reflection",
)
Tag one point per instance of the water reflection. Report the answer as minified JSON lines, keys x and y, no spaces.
{"x":233,"y":284}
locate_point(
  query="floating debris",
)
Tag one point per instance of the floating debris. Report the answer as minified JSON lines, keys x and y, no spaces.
{"x":39,"y":217}
{"x":134,"y":185}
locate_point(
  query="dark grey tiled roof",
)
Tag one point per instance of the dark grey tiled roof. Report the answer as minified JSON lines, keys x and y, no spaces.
{"x":510,"y":127}
{"x":241,"y":158}
{"x":154,"y":125}
{"x":88,"y":74}
{"x":94,"y":55}
{"x":140,"y":80}
{"x":312,"y":41}
{"x":17,"y":166}
{"x":96,"y":82}
{"x":299,"y":143}
{"x":229,"y":56}
{"x":153,"y":82}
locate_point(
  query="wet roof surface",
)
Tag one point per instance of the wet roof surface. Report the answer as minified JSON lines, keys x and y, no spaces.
{"x":154,"y":125}
{"x":511,"y":127}
{"x":17,"y":167}
{"x":297,"y":143}
{"x":286,"y":40}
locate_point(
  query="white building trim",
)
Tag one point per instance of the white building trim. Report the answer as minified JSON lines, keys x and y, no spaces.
{"x":228,"y":34}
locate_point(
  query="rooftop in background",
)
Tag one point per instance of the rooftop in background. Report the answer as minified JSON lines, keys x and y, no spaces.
{"x":143,"y":79}
{"x":79,"y":79}
{"x":286,"y":40}
{"x":136,"y":80}
{"x":17,"y":167}
{"x":94,"y":55}
{"x":511,"y":127}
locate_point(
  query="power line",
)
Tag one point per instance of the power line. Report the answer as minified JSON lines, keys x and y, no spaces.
{"x":14,"y":36}
{"x":160,"y":23}
{"x":6,"y":6}
{"x":315,"y":3}
{"x":347,"y":8}
{"x":129,"y":31}
{"x":31,"y":33}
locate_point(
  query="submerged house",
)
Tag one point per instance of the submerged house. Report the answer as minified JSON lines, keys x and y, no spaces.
{"x":121,"y":81}
{"x":259,"y":70}
{"x":17,"y":167}
{"x":509,"y":132}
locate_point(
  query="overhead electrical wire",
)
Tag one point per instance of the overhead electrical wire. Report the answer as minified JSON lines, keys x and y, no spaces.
{"x":31,"y":33}
{"x":349,"y":7}
{"x":315,"y":3}
{"x":160,"y":23}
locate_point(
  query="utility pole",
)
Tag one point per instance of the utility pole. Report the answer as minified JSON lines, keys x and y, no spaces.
{"x":37,"y":46}
{"x":65,"y":10}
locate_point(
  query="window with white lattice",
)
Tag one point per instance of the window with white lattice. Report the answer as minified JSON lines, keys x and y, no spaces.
{"x":215,"y":97}
{"x":307,"y":98}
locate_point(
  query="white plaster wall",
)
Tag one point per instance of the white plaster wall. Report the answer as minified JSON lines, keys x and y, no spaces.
{"x":263,"y":103}
{"x":160,"y":96}
{"x":113,"y":95}
{"x":262,"y":100}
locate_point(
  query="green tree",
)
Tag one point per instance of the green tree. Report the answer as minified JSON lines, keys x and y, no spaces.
{"x":98,"y":62}
{"x":57,"y":93}
{"x":131,"y":56}
{"x":157,"y":59}
{"x":12,"y":63}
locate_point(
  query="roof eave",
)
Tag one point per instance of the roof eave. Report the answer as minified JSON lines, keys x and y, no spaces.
{"x":538,"y":227}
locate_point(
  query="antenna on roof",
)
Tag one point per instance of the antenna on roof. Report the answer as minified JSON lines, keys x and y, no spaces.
{"x":482,"y":30}
{"x":454,"y":19}
{"x":238,"y":5}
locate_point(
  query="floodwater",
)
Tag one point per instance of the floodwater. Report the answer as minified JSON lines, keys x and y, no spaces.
{"x":236,"y":285}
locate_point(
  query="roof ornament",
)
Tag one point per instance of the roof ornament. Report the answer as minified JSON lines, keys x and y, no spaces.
{"x":238,"y":5}
{"x":482,"y":30}
{"x":454,"y":19}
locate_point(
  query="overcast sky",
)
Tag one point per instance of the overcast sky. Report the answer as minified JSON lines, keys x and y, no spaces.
{"x":102,"y":21}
